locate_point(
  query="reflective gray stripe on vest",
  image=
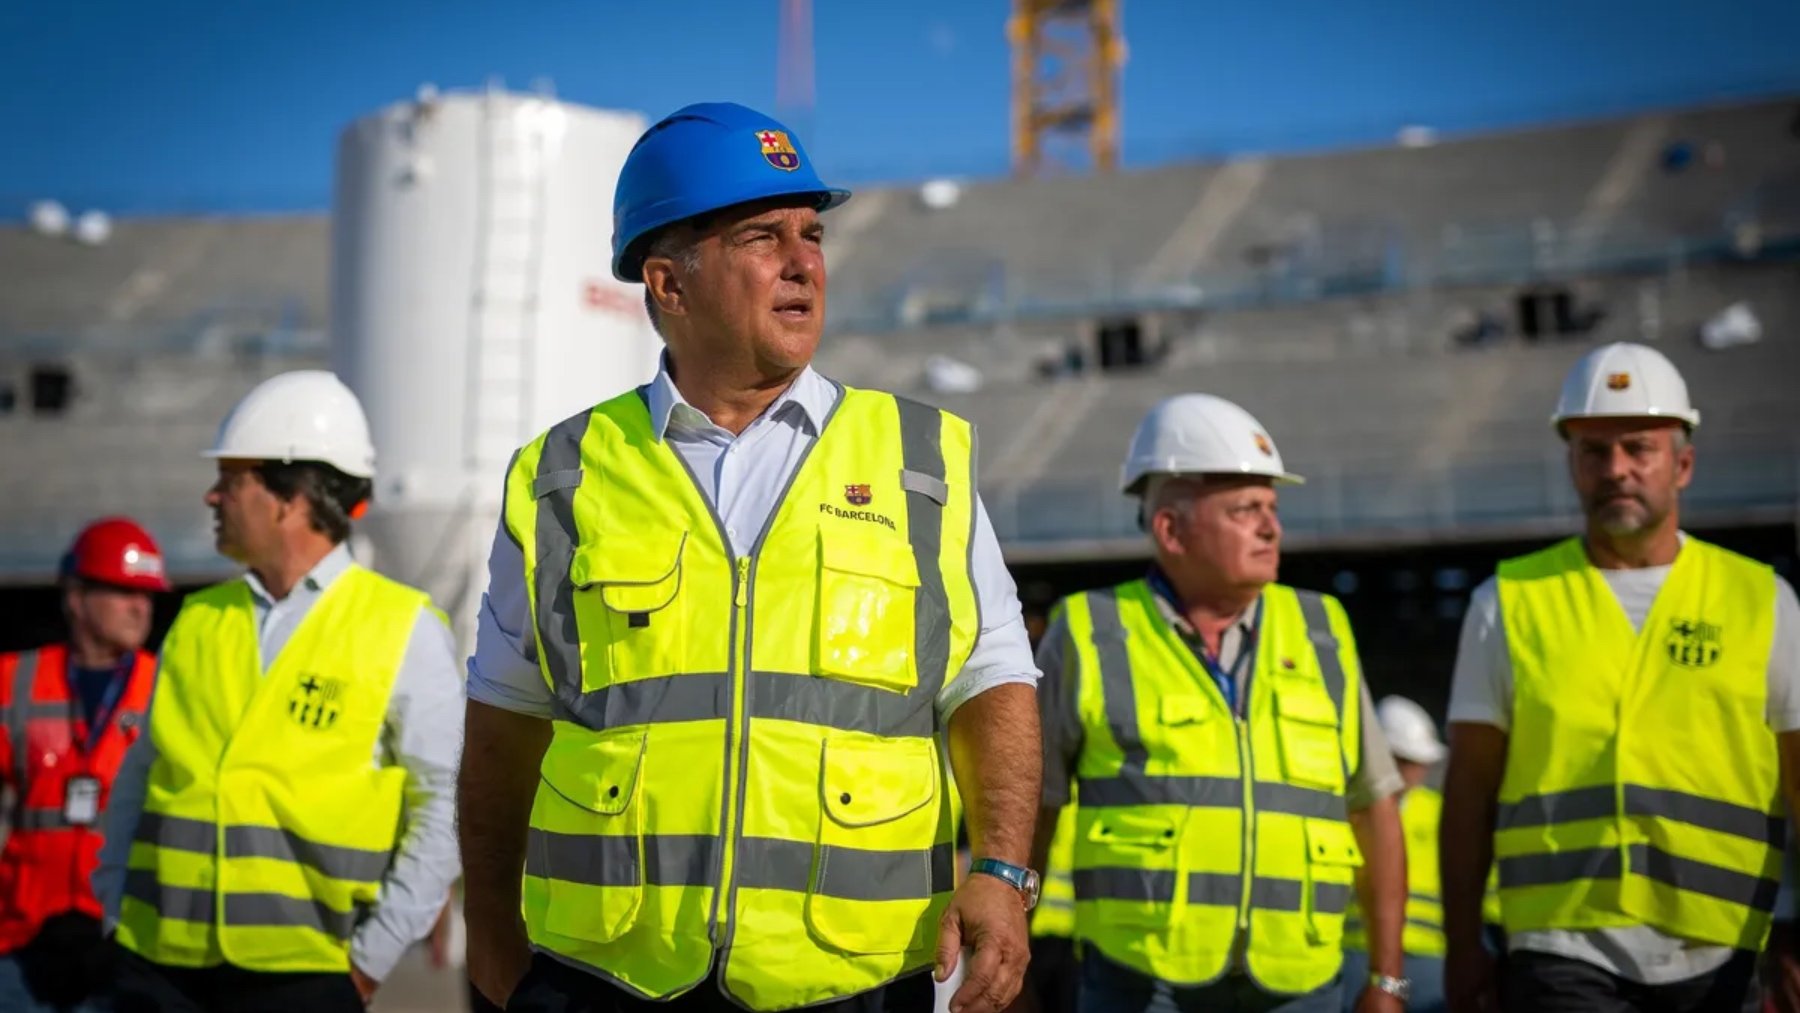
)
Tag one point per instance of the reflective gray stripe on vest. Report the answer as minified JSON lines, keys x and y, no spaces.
{"x":178,"y":833}
{"x":40,"y":819}
{"x":1601,"y":802}
{"x":922,"y":455}
{"x":1209,"y":888}
{"x":1137,"y":788}
{"x":242,"y":910}
{"x":1294,"y":800}
{"x":766,"y":863}
{"x":555,"y":593}
{"x":1556,"y":868}
{"x":846,"y":706}
{"x":1325,"y":646}
{"x":1117,"y":689}
{"x":18,"y":713}
{"x":1134,"y":787}
{"x":786,"y":696}
{"x":668,"y":859}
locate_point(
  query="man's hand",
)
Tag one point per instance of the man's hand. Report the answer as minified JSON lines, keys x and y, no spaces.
{"x":1781,"y":968}
{"x":438,"y":942}
{"x":1471,"y":984}
{"x":986,"y":914}
{"x":499,"y":955}
{"x":365,"y":985}
{"x":1374,"y":1000}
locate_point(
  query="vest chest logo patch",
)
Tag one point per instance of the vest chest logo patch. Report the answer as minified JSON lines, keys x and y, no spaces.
{"x":1693,"y":644}
{"x":316,"y":701}
{"x":857,"y":495}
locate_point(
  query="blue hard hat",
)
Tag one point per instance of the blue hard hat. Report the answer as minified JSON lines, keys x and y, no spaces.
{"x":702,"y":158}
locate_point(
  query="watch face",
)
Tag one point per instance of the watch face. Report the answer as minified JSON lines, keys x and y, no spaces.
{"x":1031,"y":887}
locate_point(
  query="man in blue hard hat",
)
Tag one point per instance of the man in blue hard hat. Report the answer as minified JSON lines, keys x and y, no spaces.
{"x":748,"y":650}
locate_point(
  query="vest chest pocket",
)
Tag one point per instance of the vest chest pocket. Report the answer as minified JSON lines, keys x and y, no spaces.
{"x":587,"y":837}
{"x":1311,"y":744}
{"x":865,"y":630}
{"x":628,"y":607}
{"x":876,"y":867}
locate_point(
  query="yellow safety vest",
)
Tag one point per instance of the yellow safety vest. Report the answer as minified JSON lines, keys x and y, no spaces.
{"x":746,"y":764}
{"x":1421,"y":809}
{"x":1642,"y":781}
{"x":1055,"y":914}
{"x":1197,"y":830}
{"x":267,"y":827}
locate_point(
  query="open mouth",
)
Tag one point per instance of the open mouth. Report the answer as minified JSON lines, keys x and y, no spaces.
{"x":794,"y":309}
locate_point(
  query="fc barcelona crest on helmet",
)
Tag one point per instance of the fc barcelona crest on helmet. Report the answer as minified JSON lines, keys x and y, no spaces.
{"x":857,"y":495}
{"x":1618,"y":381}
{"x":1693,"y":644}
{"x":315,"y":701}
{"x":777,"y":150}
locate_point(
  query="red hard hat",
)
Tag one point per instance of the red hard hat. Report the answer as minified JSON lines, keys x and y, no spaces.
{"x":117,"y":551}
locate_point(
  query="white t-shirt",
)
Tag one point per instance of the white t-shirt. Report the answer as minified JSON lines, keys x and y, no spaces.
{"x":1481,"y":692}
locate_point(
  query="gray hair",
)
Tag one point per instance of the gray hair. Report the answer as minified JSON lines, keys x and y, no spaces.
{"x":1171,"y":492}
{"x":679,"y":243}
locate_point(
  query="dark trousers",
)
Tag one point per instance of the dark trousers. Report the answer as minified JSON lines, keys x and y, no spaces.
{"x":144,"y":987}
{"x":1546,"y":983}
{"x":554,"y":987}
{"x":1054,"y":975}
{"x":1107,"y":987}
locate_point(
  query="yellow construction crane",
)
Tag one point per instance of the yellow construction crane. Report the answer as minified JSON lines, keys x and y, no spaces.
{"x":1065,"y":104}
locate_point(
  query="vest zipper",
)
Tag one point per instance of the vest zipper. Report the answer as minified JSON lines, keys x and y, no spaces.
{"x":734,"y":730}
{"x":1242,"y":728}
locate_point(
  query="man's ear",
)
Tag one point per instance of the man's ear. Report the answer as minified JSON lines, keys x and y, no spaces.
{"x":663,"y":286}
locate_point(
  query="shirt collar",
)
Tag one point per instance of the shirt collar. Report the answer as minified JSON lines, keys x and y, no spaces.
{"x":811,"y":394}
{"x":317,"y":579}
{"x":1169,"y":604}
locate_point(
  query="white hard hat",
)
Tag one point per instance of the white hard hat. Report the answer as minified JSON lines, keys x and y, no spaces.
{"x":1411,"y":733}
{"x":1199,"y":434}
{"x":1623,"y":380}
{"x":305,"y":415}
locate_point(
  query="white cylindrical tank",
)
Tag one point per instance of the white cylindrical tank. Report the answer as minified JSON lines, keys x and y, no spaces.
{"x":473,"y":306}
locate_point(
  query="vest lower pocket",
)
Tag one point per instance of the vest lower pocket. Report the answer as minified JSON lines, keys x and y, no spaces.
{"x":586,"y":837}
{"x":868,"y":587}
{"x":1131,"y":861}
{"x":628,"y":608}
{"x":876,"y":864}
{"x":1332,"y":858}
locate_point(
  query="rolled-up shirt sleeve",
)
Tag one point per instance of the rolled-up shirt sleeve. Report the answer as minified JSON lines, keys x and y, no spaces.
{"x":423,"y":736}
{"x":1060,"y":716}
{"x":504,"y":669}
{"x":1002,"y":652}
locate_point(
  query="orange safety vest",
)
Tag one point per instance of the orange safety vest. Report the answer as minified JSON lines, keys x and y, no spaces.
{"x":44,"y":742}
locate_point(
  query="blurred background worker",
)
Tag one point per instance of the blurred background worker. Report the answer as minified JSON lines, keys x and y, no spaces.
{"x":1413,"y":737}
{"x":1231,"y":779}
{"x":1054,"y":974}
{"x":1625,"y":725}
{"x":289,"y":817}
{"x":68,"y":712}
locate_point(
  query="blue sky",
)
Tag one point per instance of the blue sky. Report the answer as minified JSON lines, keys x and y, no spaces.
{"x":148,"y":106}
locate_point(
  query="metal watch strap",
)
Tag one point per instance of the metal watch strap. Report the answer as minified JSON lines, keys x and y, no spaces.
{"x":1399,"y":988}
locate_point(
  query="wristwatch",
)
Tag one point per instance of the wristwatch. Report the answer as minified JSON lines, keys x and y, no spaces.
{"x":1399,"y":988}
{"x":1017,"y":876}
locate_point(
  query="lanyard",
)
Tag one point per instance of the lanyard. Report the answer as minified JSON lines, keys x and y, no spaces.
{"x":1227,"y":679}
{"x":109,"y":700}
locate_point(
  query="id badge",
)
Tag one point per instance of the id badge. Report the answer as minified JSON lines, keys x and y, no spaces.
{"x":81,"y":801}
